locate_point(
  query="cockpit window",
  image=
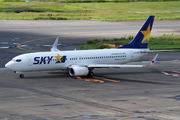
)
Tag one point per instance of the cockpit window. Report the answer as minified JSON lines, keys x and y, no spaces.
{"x":18,"y":60}
{"x":13,"y":59}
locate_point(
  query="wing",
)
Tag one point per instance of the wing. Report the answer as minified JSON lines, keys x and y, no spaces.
{"x":54,"y":46}
{"x":120,"y":66}
{"x":112,"y":66}
{"x":152,"y":51}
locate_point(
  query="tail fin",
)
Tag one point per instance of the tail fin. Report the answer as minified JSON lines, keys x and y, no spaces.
{"x":54,"y":46}
{"x":142,"y":37}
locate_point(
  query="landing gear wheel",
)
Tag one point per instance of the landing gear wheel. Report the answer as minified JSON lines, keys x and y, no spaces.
{"x":90,"y":74}
{"x":21,"y":76}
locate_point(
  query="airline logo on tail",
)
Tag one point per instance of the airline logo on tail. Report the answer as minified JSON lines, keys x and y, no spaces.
{"x":141,"y":39}
{"x":146,"y":34}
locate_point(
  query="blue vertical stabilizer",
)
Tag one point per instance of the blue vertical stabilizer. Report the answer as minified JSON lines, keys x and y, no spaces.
{"x":142,"y":37}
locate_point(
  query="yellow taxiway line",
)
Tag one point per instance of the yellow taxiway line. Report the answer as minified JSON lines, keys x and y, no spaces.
{"x":96,"y":80}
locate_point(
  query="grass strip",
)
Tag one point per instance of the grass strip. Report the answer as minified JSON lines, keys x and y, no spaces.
{"x":89,"y":1}
{"x":165,"y":42}
{"x":106,"y":11}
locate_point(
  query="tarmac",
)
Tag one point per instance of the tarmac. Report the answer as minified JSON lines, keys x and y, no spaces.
{"x":148,"y":93}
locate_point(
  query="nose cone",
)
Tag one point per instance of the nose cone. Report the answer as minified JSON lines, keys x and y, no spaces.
{"x":9,"y":65}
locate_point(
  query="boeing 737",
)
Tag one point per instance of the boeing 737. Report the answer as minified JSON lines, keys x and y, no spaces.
{"x":82,"y":62}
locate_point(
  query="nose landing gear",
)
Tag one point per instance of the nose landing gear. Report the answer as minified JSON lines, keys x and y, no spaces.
{"x":21,"y":75}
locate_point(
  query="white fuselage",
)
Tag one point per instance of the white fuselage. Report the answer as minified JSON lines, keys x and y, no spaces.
{"x":41,"y":61}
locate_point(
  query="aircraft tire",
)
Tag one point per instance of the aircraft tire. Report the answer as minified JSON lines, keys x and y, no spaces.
{"x":21,"y":76}
{"x":90,"y":74}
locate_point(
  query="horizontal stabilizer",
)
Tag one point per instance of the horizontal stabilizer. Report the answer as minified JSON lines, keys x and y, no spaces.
{"x":54,"y":47}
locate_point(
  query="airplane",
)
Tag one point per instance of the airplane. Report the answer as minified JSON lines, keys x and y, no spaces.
{"x":83,"y":62}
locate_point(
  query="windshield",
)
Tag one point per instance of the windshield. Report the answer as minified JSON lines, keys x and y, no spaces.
{"x":16,"y":60}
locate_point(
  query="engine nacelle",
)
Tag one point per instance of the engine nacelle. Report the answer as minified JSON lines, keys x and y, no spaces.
{"x":78,"y":71}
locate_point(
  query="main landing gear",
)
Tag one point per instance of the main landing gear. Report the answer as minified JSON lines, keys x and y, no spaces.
{"x":90,"y":74}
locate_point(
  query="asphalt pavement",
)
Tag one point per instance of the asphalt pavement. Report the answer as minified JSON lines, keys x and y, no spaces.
{"x":149,"y":93}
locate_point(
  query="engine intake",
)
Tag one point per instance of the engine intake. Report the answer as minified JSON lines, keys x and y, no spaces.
{"x":78,"y":71}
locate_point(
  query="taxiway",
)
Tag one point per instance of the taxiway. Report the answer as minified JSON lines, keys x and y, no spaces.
{"x":150,"y":93}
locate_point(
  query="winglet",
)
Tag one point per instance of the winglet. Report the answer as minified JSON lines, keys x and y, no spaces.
{"x":54,"y":46}
{"x":153,"y":60}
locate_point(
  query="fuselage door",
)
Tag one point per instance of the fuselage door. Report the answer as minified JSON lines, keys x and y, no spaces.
{"x":80,"y":59}
{"x":29,"y":61}
{"x":132,"y":55}
{"x":76,"y":59}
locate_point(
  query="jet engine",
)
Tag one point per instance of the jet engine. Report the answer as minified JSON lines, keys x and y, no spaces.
{"x":78,"y":71}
